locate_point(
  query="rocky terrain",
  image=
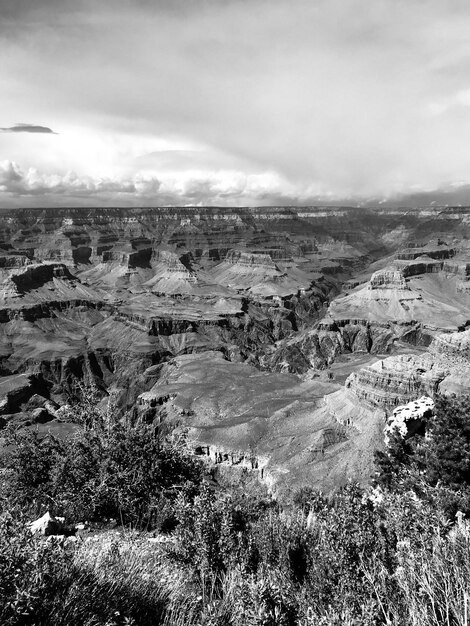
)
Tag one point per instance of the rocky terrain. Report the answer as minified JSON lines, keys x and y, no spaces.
{"x":280,"y":337}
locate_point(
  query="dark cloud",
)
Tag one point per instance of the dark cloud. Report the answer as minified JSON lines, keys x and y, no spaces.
{"x":28,"y":128}
{"x":22,"y":10}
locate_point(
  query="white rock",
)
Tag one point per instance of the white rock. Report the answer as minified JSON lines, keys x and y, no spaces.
{"x":48,"y":525}
{"x":417,"y":409}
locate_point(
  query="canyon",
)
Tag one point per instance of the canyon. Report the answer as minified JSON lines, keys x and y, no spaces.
{"x":278,"y":339}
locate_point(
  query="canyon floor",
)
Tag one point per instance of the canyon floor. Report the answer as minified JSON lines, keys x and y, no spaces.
{"x":279,"y":339}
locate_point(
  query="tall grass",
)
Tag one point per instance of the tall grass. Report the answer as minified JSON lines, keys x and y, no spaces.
{"x":350,"y":562}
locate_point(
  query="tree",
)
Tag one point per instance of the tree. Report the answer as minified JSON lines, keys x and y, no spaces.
{"x":435,"y":465}
{"x":444,"y":454}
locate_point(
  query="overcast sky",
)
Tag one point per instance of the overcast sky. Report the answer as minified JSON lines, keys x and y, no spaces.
{"x":233,"y":102}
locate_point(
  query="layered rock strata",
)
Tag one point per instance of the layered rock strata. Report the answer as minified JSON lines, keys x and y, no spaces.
{"x":198,"y":306}
{"x":397,"y":380}
{"x":284,"y":430}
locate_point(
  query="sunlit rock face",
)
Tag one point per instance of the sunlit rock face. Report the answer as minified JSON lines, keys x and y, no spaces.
{"x":283,"y":430}
{"x":386,"y":383}
{"x":434,"y":249}
{"x":282,"y":337}
{"x":388,"y":279}
{"x":395,"y":381}
{"x":408,"y":419}
{"x":452,"y":344}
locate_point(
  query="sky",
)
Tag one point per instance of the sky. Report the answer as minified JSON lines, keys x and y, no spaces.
{"x":234,"y":102}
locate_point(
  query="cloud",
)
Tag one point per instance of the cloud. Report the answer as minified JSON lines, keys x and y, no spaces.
{"x":27,"y":128}
{"x":450,"y":103}
{"x":19,"y":186}
{"x":329,"y":97}
{"x":15,"y":181}
{"x":11,"y":176}
{"x":30,"y":187}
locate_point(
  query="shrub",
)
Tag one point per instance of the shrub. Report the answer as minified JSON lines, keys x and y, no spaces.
{"x":131,"y":473}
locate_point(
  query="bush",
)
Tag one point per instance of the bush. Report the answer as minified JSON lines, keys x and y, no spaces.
{"x":131,"y":474}
{"x":350,"y":559}
{"x":356,"y":557}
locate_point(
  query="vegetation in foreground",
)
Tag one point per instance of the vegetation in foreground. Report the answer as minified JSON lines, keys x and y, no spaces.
{"x":397,"y":554}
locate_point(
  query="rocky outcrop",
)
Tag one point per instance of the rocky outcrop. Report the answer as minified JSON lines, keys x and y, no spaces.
{"x":17,"y":390}
{"x":257,"y":274}
{"x":400,"y":379}
{"x":387,"y":383}
{"x":245,"y":259}
{"x":13,"y":262}
{"x":48,"y":525}
{"x":406,"y":293}
{"x":320,"y":348}
{"x":240,"y":458}
{"x":409,"y":419}
{"x":37,"y":275}
{"x":388,"y":279}
{"x":459,"y":267}
{"x":420,"y":265}
{"x":170,"y":275}
{"x":283,"y":430}
{"x":315,"y":350}
{"x":437,"y":249}
{"x":452,"y":344}
{"x":39,"y":403}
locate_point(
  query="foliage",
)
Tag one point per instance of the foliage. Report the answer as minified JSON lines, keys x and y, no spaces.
{"x":26,"y":572}
{"x":444,"y":453}
{"x":439,"y":460}
{"x":394,"y":555}
{"x":46,"y":581}
{"x":129,"y":473}
{"x":352,"y":558}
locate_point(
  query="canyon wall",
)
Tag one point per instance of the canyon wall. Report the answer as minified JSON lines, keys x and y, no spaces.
{"x":292,"y":301}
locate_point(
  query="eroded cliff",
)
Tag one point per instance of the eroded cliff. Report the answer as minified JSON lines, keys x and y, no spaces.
{"x":241,"y":324}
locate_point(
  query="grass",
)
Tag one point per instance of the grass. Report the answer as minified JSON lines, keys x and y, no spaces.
{"x":429,"y":586}
{"x":287,"y":569}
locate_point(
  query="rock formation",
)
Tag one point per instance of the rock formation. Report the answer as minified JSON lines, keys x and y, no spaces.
{"x":408,"y":419}
{"x":388,"y":279}
{"x":399,"y":379}
{"x":243,"y":324}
